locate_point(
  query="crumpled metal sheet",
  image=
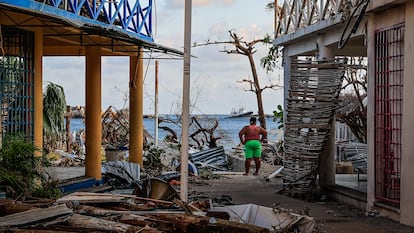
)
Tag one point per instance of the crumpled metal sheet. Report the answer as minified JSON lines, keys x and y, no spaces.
{"x":214,"y":158}
{"x":276,"y":220}
{"x":126,"y":170}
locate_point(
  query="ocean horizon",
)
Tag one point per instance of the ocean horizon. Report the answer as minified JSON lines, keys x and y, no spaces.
{"x":228,"y":127}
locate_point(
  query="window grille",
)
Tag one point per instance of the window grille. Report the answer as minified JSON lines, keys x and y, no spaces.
{"x":16,"y":82}
{"x":389,"y":75}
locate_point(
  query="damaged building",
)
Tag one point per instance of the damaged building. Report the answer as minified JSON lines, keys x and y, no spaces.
{"x":316,"y":37}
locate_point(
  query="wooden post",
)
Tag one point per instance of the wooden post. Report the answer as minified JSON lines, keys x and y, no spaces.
{"x":68,"y":134}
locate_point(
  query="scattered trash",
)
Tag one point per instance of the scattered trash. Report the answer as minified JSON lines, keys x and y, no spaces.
{"x":156,"y":189}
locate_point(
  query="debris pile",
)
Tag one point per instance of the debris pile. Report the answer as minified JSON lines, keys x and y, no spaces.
{"x":59,"y":158}
{"x":355,"y":153}
{"x":111,"y":212}
{"x":82,"y":212}
{"x":115,"y":128}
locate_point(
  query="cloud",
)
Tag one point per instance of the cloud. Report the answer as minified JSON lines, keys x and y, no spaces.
{"x":214,"y":74}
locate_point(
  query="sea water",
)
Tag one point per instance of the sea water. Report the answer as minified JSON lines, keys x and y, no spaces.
{"x":228,"y":128}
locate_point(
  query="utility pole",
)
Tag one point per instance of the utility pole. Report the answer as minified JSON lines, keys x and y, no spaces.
{"x":156,"y":105}
{"x":186,"y":102}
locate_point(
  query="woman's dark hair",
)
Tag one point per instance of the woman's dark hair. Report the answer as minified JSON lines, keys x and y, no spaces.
{"x":252,"y":120}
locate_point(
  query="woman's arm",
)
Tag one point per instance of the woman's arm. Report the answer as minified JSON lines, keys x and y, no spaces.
{"x":242,"y":135}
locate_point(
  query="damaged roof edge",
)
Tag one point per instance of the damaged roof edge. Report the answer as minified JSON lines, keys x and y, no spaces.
{"x":126,"y":37}
{"x":306,"y":31}
{"x":90,"y":26}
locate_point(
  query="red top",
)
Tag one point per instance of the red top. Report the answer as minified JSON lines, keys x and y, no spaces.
{"x":252,"y":132}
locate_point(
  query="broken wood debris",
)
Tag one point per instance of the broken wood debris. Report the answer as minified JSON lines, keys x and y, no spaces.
{"x":78,"y":212}
{"x":115,"y":127}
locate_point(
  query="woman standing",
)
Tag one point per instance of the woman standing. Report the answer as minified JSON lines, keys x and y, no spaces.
{"x":252,"y":136}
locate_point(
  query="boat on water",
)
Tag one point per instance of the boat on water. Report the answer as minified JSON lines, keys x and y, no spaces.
{"x":241,"y":112}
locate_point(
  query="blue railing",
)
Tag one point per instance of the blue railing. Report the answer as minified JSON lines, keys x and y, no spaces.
{"x":133,"y":17}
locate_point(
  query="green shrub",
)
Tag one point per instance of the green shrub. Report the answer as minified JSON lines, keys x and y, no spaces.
{"x":21,"y":172}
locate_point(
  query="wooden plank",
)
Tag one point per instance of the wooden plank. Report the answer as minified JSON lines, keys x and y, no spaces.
{"x":8,"y":206}
{"x":33,"y":216}
{"x":186,"y":223}
{"x":40,"y":231}
{"x":87,"y":197}
{"x":96,"y":224}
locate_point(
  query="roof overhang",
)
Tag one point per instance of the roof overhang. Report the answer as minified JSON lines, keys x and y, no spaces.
{"x":304,"y":41}
{"x":66,"y":34}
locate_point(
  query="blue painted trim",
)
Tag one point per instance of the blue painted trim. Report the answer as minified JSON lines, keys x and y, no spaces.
{"x":100,"y":182}
{"x":72,"y":187}
{"x":136,"y":21}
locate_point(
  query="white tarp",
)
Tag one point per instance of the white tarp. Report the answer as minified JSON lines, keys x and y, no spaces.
{"x":273,"y":219}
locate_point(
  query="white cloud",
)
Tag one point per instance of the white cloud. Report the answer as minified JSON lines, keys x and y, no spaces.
{"x":216,"y":73}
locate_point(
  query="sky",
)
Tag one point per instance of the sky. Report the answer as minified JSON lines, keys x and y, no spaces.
{"x":215,"y":76}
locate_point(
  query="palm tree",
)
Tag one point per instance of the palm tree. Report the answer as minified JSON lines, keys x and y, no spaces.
{"x":54,"y":107}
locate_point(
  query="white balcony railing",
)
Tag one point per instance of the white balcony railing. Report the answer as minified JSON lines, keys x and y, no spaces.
{"x":291,"y":15}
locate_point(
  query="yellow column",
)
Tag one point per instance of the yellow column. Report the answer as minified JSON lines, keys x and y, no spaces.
{"x":38,"y":95}
{"x":136,"y":97}
{"x":93,"y":126}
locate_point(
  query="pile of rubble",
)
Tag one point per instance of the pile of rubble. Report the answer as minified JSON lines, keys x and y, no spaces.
{"x":154,"y":207}
{"x":94,"y":212}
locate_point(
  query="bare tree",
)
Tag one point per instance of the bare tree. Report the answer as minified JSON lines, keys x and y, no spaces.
{"x":354,"y":112}
{"x":242,"y":47}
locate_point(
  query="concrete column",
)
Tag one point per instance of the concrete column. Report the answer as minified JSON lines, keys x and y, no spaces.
{"x":371,"y":113}
{"x":136,"y":116}
{"x":327,"y":160}
{"x":93,"y":125}
{"x":287,"y":66}
{"x":38,"y":94}
{"x":324,"y":52}
{"x":407,"y":157}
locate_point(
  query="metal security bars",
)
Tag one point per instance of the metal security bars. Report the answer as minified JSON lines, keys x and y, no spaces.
{"x":389,"y":74}
{"x":16,"y":82}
